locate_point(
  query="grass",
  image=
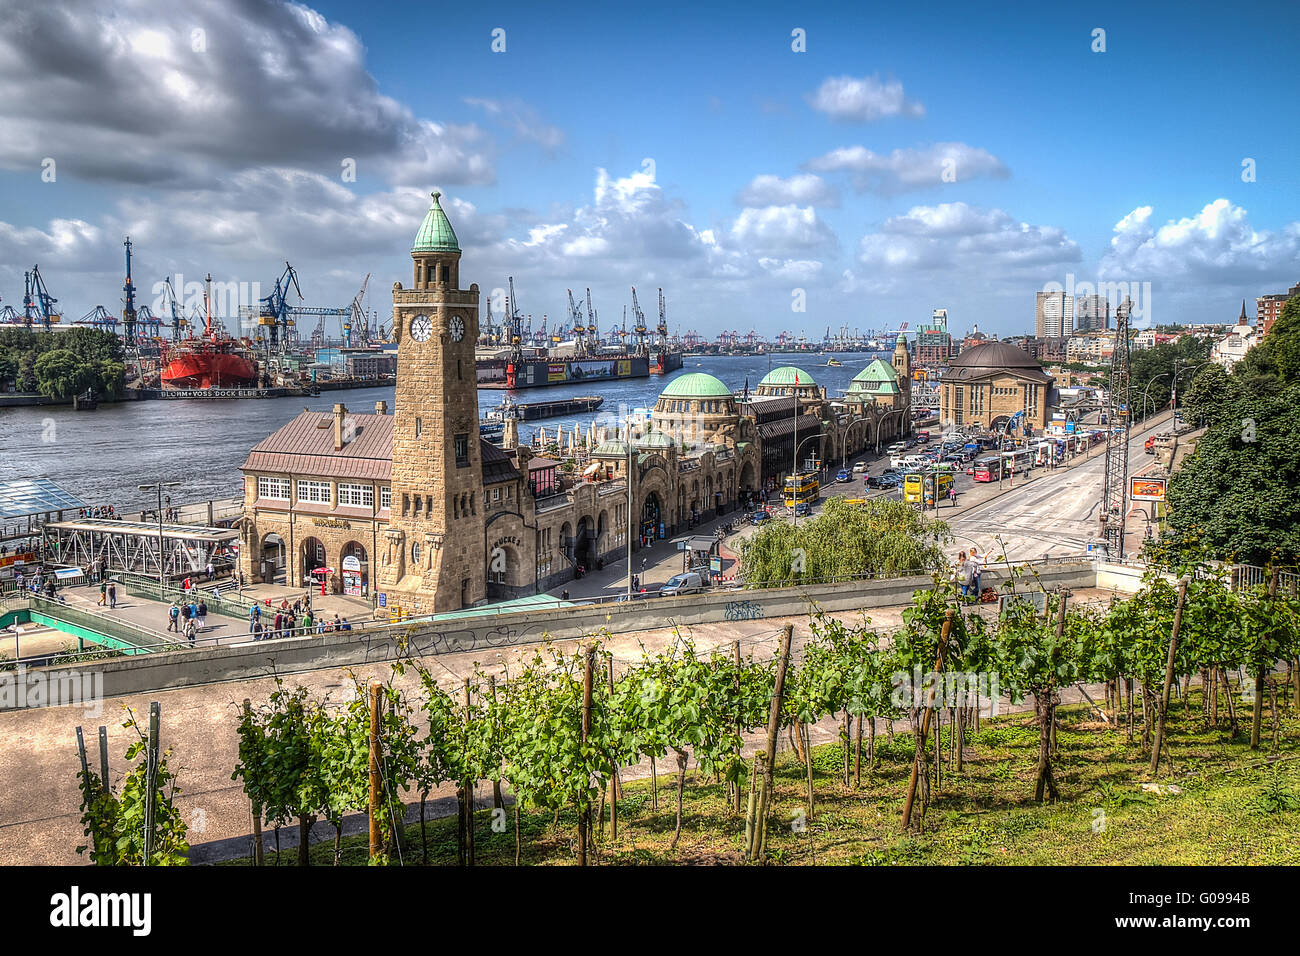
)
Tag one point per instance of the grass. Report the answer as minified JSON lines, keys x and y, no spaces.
{"x":1232,"y":806}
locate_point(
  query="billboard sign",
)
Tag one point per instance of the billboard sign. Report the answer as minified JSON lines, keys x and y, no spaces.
{"x":1147,"y":489}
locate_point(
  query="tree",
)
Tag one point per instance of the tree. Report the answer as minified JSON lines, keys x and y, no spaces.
{"x":845,"y":541}
{"x":62,"y":374}
{"x":1237,"y":495}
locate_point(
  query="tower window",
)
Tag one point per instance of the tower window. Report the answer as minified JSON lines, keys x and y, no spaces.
{"x":461,"y":444}
{"x":418,"y":427}
{"x":458,"y":375}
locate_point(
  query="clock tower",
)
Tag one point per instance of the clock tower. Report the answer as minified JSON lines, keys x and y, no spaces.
{"x":435,"y":559}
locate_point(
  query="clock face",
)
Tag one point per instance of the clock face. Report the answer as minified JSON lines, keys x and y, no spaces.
{"x":421,"y":328}
{"x":457,"y":328}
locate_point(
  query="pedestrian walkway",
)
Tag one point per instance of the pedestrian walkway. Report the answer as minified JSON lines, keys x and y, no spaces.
{"x":152,"y":616}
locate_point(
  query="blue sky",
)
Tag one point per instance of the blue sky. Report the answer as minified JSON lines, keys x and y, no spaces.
{"x":773,"y":171}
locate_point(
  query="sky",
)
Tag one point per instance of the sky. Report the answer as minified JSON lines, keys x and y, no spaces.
{"x":772,"y":167}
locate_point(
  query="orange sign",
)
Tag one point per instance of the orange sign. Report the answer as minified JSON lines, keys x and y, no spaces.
{"x":1147,"y":489}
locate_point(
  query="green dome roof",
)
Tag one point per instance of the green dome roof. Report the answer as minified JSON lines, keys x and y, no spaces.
{"x":656,"y":439}
{"x":696,"y":385}
{"x":877,"y":371}
{"x":785,"y":375}
{"x":436,"y":234}
{"x":611,"y":447}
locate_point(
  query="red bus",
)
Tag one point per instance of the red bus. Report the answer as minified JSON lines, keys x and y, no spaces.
{"x":988,"y":469}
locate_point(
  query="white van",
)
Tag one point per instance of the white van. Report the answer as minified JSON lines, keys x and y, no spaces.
{"x":896,"y":447}
{"x":685,"y":583}
{"x":859,"y":467}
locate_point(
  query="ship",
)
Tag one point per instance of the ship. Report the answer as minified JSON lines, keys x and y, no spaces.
{"x":531,"y":411}
{"x":213,"y":361}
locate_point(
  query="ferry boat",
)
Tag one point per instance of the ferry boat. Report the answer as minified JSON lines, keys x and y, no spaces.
{"x":531,"y":411}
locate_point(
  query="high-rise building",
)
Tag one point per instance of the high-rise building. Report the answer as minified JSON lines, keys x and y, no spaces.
{"x":1091,"y":313}
{"x":1053,"y":314}
{"x":1269,"y":307}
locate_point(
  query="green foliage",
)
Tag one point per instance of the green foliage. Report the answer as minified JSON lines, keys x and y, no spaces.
{"x":115,"y":823}
{"x":86,"y":358}
{"x":845,"y":541}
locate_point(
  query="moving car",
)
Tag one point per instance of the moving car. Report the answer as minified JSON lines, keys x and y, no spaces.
{"x":802,"y":509}
{"x":686,"y":583}
{"x":859,"y":467}
{"x":758,"y":517}
{"x":844,"y":475}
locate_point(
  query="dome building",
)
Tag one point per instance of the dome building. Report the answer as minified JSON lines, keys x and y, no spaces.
{"x":788,"y":380}
{"x":987,"y":384}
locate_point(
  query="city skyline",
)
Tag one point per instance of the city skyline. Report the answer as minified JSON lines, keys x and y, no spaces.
{"x":840,"y":162}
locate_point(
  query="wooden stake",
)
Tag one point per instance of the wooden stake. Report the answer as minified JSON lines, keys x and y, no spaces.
{"x":375,"y":838}
{"x":773,"y":726}
{"x":925,"y":723}
{"x":1169,"y":678}
{"x":584,"y":815}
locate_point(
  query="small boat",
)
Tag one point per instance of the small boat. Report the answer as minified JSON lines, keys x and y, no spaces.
{"x":833,"y":362}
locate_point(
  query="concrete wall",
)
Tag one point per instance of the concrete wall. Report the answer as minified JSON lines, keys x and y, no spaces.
{"x":376,"y":644}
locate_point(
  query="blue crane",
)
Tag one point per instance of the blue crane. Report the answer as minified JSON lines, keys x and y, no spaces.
{"x":43,"y":306}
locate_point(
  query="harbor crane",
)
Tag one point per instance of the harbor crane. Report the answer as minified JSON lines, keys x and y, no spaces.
{"x":42,"y":307}
{"x":662,"y":327}
{"x":174,"y":307}
{"x":639,"y":318}
{"x":593,"y":327}
{"x":99,"y":318}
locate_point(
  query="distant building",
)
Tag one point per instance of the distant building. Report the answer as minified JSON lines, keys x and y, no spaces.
{"x":934,"y":345}
{"x":986,"y":385}
{"x":1239,"y":340}
{"x":1091,"y":313}
{"x":1053,"y":314}
{"x":1269,"y":307}
{"x":976,"y":337}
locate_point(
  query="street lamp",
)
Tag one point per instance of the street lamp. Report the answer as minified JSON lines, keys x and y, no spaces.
{"x":1145,"y":390}
{"x":796,"y":472}
{"x":158,"y":486}
{"x":849,"y":428}
{"x":884,"y":418}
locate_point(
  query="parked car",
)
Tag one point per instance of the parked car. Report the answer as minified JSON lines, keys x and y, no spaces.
{"x":686,"y":583}
{"x":859,"y":467}
{"x":802,"y":509}
{"x":844,"y":475}
{"x":758,"y":517}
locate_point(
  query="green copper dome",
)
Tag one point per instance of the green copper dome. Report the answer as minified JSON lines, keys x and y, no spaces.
{"x":785,"y":375}
{"x":611,"y":447}
{"x":656,"y":439}
{"x":696,"y":385}
{"x":436,"y":234}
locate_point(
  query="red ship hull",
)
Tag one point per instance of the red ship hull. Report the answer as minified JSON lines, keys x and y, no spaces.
{"x":208,"y":368}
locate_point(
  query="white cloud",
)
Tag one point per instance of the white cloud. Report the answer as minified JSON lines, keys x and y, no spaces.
{"x":778,"y":229}
{"x":792,"y":270}
{"x":954,"y":238}
{"x":1217,"y":245}
{"x":120,"y":93}
{"x":906,"y":169}
{"x":862,"y":100}
{"x":803,"y":188}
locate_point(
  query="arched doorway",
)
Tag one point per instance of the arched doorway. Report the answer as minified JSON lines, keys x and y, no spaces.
{"x":747,"y":485}
{"x":311,"y":555}
{"x":355,"y":568}
{"x":271,"y":558}
{"x":584,"y":547}
{"x":602,"y":533}
{"x":566,"y":540}
{"x":651,"y":518}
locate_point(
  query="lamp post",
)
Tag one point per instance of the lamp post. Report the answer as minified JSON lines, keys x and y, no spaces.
{"x":880,"y":425}
{"x":158,"y":487}
{"x":1145,"y":390}
{"x":629,"y":509}
{"x":796,"y":458}
{"x":845,"y":459}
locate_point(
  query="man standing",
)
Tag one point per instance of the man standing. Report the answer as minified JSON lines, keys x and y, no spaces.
{"x":112,"y":596}
{"x":203,"y":614}
{"x":254,"y":615}
{"x":977,"y":566}
{"x":189,"y":630}
{"x":103,"y":593}
{"x":173,"y":617}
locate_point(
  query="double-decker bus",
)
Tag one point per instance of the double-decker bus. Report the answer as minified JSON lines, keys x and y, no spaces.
{"x":802,"y":487}
{"x":988,"y":468}
{"x":923,"y":486}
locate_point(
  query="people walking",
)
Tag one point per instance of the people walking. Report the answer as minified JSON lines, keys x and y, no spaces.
{"x":977,"y":566}
{"x":211,"y":573}
{"x":103,"y":594}
{"x":203,"y":614}
{"x":278,"y":624}
{"x":173,"y":617}
{"x":958,"y":570}
{"x":254,"y":617}
{"x":185,"y":617}
{"x":190,"y":630}
{"x":112,"y":596}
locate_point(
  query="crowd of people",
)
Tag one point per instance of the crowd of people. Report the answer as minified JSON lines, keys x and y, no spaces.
{"x":188,"y":618}
{"x":291,"y":620}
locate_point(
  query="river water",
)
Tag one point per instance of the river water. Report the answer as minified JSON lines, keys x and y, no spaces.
{"x":102,"y":456}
